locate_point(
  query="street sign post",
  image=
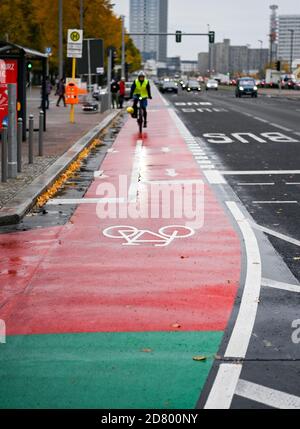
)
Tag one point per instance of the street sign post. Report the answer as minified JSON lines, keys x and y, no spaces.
{"x":75,"y":42}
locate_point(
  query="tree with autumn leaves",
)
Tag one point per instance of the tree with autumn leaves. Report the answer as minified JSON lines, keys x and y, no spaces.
{"x":34,"y":24}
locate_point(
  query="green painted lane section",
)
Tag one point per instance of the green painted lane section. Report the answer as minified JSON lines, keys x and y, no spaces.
{"x":105,"y":370}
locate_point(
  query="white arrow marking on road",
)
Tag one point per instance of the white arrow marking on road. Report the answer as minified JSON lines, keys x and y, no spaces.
{"x":171,"y":172}
{"x":100,"y":175}
{"x":166,"y":149}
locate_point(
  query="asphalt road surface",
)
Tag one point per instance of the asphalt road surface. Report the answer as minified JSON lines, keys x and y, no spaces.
{"x":252,"y":153}
{"x":234,"y":132}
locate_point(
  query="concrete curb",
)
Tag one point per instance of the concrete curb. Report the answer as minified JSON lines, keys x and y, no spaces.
{"x":25,"y":200}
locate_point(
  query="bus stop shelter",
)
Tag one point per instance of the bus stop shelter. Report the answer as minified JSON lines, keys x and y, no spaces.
{"x":16,"y":58}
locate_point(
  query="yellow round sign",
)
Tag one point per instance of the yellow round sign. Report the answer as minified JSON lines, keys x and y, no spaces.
{"x":75,"y":36}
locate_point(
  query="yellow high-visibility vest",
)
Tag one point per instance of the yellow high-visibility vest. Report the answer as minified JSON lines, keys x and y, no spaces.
{"x":141,"y":88}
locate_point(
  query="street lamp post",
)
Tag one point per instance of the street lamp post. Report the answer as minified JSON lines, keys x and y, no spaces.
{"x":81,"y":14}
{"x":60,"y":37}
{"x":292,"y":49}
{"x":123,"y":46}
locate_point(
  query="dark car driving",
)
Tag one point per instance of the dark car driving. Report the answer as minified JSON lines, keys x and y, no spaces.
{"x":246,"y":86}
{"x":193,"y":85}
{"x":169,"y":86}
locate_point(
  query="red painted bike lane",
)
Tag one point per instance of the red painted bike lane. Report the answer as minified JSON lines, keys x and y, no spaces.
{"x":110,"y":312}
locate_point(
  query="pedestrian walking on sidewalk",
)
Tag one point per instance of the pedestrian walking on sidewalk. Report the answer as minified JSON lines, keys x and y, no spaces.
{"x":48,"y":92}
{"x":60,"y":91}
{"x":114,"y":88}
{"x":121,"y":92}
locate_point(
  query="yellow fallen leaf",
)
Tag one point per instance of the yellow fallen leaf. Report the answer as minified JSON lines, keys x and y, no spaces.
{"x":199,"y":358}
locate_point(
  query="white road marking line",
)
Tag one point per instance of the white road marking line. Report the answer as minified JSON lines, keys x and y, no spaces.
{"x":261,"y":119}
{"x":267,"y":396}
{"x":247,"y":114}
{"x":201,"y":157}
{"x":204,"y":162}
{"x":215,"y":178}
{"x":207,"y":167}
{"x":242,"y":331}
{"x":166,"y":149}
{"x":164,"y":100}
{"x":275,"y":202}
{"x":112,"y":150}
{"x":281,"y":127}
{"x":174,"y":182}
{"x":171,"y":172}
{"x":64,"y":201}
{"x":258,"y":172}
{"x":292,"y":183}
{"x":280,"y":285}
{"x":133,"y":189}
{"x":256,"y":184}
{"x":276,"y":234}
{"x":222,"y":391}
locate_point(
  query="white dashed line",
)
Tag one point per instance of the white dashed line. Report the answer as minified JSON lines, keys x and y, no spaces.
{"x":275,"y":202}
{"x":215,"y":178}
{"x":276,"y":234}
{"x":281,"y":127}
{"x":257,"y":184}
{"x":265,"y":395}
{"x":260,"y":119}
{"x":279,"y":285}
{"x":221,"y":394}
{"x":258,"y":172}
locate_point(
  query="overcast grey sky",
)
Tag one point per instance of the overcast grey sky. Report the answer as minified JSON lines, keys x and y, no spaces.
{"x":244,"y":22}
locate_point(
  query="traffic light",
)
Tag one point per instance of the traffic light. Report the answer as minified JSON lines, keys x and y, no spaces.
{"x":113,"y":59}
{"x":178,"y":36}
{"x":29,"y":65}
{"x":211,"y":36}
{"x":278,"y":66}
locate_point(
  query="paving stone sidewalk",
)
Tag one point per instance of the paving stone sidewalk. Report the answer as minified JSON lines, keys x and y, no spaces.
{"x":59,"y":137}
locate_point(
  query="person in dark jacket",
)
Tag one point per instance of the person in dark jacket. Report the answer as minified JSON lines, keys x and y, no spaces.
{"x":141,"y":89}
{"x":60,"y":91}
{"x":114,"y":88}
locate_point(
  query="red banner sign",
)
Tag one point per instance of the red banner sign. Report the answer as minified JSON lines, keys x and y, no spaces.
{"x":8,"y":74}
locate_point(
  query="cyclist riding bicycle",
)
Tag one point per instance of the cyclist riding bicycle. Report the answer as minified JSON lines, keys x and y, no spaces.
{"x":141,"y":89}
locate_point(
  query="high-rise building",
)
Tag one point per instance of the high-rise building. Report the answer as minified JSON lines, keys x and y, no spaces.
{"x":289,"y":37}
{"x":150,"y":16}
{"x":203,"y":63}
{"x":233,"y":59}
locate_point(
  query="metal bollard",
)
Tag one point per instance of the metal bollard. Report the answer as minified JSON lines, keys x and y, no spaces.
{"x":41,"y":134}
{"x":19,"y":144}
{"x":4,"y":154}
{"x":30,"y":143}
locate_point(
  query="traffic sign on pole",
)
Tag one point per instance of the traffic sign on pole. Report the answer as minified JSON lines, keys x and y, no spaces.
{"x":75,"y":41}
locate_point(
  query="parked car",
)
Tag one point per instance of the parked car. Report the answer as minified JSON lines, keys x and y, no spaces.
{"x":169,"y":86}
{"x":128,"y":86}
{"x":193,"y":85}
{"x":212,"y":84}
{"x":246,"y":86}
{"x":297,"y":85}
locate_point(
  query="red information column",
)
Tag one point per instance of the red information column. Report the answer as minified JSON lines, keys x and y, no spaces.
{"x":8,"y":74}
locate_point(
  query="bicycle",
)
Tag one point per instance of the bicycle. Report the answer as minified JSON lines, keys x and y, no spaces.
{"x":140,"y":116}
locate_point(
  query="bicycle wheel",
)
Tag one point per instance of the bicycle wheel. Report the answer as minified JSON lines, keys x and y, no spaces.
{"x":140,"y":121}
{"x":118,"y":231}
{"x":180,"y":231}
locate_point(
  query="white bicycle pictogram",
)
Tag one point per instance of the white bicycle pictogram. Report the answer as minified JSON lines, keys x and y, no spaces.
{"x":134,"y":236}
